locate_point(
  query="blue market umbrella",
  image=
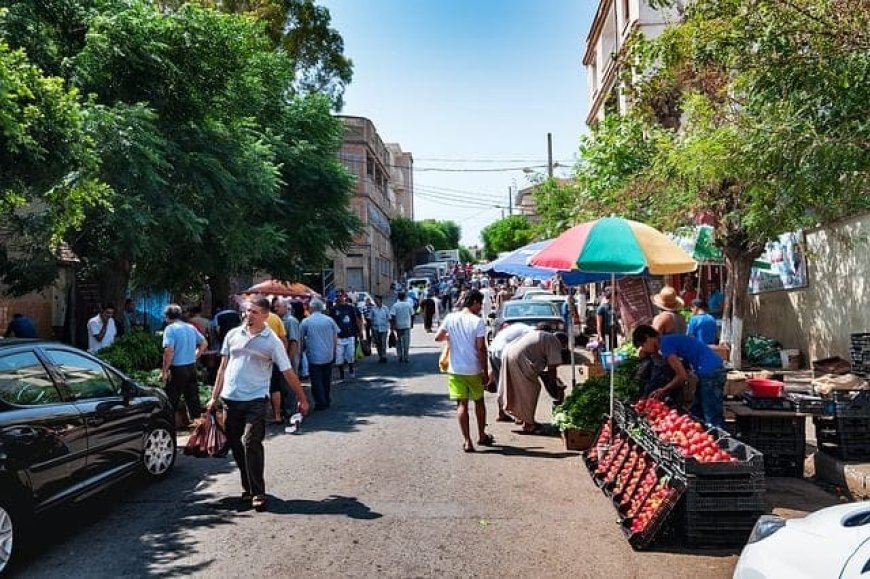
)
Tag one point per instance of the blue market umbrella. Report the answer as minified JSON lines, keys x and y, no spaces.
{"x":517,"y":263}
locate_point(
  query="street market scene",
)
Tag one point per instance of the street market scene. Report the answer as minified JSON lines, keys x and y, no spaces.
{"x":267,"y":309}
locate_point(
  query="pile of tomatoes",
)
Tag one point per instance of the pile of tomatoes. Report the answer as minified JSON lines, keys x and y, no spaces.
{"x":603,"y":438}
{"x":689,"y":435}
{"x":651,"y":506}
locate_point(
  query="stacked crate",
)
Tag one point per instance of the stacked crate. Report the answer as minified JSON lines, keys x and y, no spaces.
{"x":845,"y":432}
{"x":722,"y":501}
{"x":860,"y":354}
{"x":781,"y":439}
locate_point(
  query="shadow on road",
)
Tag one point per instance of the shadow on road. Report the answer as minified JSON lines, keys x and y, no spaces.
{"x":525,"y":452}
{"x":141,"y":528}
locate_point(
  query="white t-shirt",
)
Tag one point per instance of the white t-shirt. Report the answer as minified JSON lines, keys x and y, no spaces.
{"x":463,"y":329}
{"x":95,"y":324}
{"x":506,"y":336}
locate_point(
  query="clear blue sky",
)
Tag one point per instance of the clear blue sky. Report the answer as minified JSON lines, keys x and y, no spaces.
{"x":469,"y":84}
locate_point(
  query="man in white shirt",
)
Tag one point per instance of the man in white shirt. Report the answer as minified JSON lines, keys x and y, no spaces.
{"x":102,"y":329}
{"x":380,"y":319}
{"x":496,"y":347}
{"x":401,"y":320}
{"x":465,"y":333}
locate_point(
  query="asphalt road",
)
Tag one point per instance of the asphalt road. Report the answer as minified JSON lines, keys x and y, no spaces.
{"x":377,"y":485}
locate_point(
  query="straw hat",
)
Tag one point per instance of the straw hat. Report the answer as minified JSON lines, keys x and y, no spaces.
{"x":667,"y":299}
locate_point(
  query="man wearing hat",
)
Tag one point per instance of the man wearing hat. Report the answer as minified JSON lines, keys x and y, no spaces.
{"x":669,"y":320}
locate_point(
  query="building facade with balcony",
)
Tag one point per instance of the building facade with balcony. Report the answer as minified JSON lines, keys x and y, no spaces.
{"x":383,"y":190}
{"x":615,"y":21}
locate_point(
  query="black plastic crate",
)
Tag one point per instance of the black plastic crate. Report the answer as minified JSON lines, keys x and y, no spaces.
{"x":643,"y":539}
{"x":784,"y":465}
{"x":849,"y":404}
{"x":768,"y":403}
{"x":767,"y":425}
{"x":777,"y":445}
{"x":846,"y":452}
{"x":726,"y":502}
{"x":718,"y":538}
{"x":749,"y":461}
{"x":851,"y":425}
{"x":704,"y":521}
{"x":726,"y":484}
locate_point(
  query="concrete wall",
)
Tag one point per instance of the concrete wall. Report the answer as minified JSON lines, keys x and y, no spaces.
{"x":819,"y":318}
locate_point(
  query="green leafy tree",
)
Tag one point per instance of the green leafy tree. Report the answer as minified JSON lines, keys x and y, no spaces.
{"x":303,"y":31}
{"x":556,"y":206}
{"x":506,"y":234}
{"x":211,"y":161}
{"x":44,"y":150}
{"x":406,"y":236}
{"x":752,"y":114}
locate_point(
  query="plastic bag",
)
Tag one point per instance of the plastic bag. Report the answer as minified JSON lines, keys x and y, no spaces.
{"x":207,"y":439}
{"x":392,"y":341}
{"x":358,"y":352}
{"x":444,"y":360}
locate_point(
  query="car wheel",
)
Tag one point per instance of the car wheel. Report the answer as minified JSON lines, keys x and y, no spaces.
{"x":158,"y":453}
{"x":10,"y":533}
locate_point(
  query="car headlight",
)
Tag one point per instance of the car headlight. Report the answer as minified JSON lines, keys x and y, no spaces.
{"x":765,"y":526}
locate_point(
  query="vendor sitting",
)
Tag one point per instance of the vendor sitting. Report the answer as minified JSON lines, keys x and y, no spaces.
{"x":707,"y":404}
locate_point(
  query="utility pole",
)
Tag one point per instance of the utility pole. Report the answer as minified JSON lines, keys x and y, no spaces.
{"x":550,"y":155}
{"x":510,"y":202}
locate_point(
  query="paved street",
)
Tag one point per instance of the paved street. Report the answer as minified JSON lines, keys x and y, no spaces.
{"x":378,"y":485}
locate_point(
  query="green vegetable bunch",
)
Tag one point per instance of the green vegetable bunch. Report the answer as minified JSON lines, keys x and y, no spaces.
{"x":587,"y":404}
{"x":134,"y":351}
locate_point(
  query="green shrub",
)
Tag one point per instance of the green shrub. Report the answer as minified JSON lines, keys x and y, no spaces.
{"x":136,"y":351}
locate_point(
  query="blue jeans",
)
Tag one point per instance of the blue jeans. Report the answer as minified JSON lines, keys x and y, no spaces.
{"x":707,"y":404}
{"x":321,"y":384}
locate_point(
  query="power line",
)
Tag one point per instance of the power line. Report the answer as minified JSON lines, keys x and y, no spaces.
{"x":461,"y":196}
{"x":426,"y":193}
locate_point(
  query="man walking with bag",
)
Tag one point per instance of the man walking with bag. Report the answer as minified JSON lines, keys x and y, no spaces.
{"x":242,"y":384}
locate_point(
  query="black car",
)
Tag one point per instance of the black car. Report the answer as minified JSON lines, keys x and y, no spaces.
{"x":70,"y":425}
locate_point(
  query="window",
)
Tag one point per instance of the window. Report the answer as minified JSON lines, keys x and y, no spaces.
{"x":85,"y":379}
{"x":25,"y":382}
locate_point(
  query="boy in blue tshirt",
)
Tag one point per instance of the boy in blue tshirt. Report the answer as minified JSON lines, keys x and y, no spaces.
{"x":707,"y":365}
{"x":702,"y":326}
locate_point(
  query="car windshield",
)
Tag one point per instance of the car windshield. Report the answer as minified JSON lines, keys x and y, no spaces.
{"x":529,"y":309}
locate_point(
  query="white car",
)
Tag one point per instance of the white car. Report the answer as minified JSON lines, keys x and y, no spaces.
{"x":832,"y":542}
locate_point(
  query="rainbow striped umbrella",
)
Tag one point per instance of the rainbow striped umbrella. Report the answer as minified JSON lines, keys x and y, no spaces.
{"x":615,"y":245}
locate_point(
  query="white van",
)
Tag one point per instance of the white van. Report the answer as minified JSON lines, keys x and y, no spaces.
{"x":419,"y":282}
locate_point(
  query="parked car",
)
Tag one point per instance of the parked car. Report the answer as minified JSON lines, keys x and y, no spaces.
{"x":527,"y":312}
{"x":832,"y":542}
{"x":525,"y":292}
{"x":71,"y":425}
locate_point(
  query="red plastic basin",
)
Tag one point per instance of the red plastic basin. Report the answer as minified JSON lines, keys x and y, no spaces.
{"x":763,"y":388}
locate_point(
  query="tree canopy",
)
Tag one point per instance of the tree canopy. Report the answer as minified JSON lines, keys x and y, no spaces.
{"x":206,"y":156}
{"x":506,"y":234}
{"x":751,"y":115}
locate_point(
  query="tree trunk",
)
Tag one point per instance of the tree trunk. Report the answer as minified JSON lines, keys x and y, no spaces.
{"x":739,"y":263}
{"x":113,"y":285}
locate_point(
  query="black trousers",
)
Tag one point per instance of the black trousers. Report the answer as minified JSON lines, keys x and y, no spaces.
{"x":182,"y":382}
{"x":246,"y":428}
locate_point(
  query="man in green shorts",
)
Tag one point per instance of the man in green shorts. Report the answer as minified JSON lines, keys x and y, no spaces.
{"x":465,"y":333}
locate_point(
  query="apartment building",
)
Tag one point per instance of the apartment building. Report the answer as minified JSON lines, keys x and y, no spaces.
{"x":383,"y":190}
{"x":615,"y":21}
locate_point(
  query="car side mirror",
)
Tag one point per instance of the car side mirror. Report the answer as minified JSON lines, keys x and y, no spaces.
{"x":129,"y":389}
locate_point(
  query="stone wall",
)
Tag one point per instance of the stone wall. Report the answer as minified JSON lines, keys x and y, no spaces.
{"x":819,"y":318}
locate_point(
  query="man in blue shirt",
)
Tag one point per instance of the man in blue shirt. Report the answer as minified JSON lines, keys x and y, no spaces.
{"x":319,"y":335}
{"x":702,"y":326}
{"x":676,"y":348}
{"x":182,"y":347}
{"x":20,"y":327}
